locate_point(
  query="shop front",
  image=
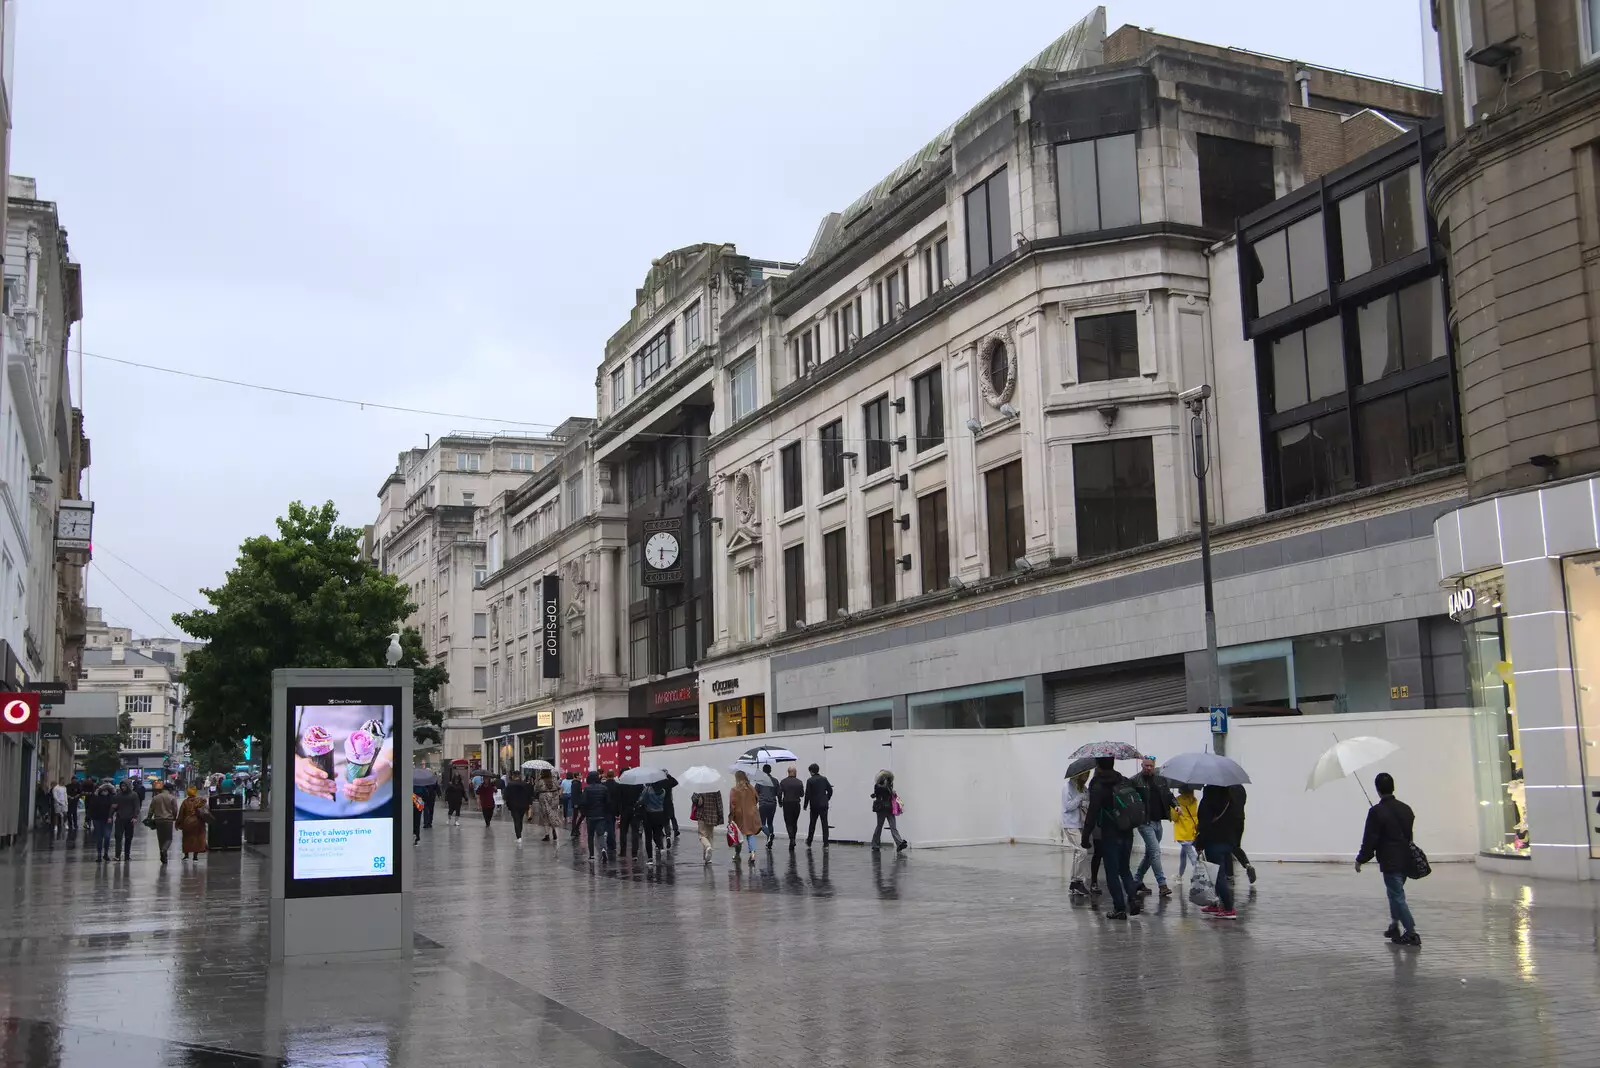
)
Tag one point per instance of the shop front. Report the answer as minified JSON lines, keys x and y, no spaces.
{"x":735,"y":699}
{"x":670,"y":709}
{"x":574,"y":731}
{"x":1520,"y":571}
{"x":515,"y":742}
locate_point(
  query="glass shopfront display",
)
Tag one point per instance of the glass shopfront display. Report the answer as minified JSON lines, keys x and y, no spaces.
{"x":739,"y":717}
{"x":993,"y":705}
{"x":1583,"y":617}
{"x":1334,"y":672}
{"x":1496,"y":748}
{"x":862,"y":716}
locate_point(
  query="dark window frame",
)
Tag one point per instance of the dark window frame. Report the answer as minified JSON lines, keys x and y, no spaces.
{"x":830,"y":440}
{"x":653,"y":360}
{"x":1133,"y":511}
{"x":875,"y":433}
{"x":985,"y":191}
{"x":1111,"y":325}
{"x":882,"y":558}
{"x":791,"y":468}
{"x":933,"y":539}
{"x":927,"y":402}
{"x":1063,"y":190}
{"x":836,"y":571}
{"x":794,"y":585}
{"x":1007,"y":516}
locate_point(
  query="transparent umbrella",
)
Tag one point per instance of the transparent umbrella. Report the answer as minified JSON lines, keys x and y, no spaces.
{"x":641,"y":776}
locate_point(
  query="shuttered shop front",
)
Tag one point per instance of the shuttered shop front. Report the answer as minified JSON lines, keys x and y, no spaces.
{"x":1154,"y":688}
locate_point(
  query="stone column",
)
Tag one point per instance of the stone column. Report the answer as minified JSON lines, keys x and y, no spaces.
{"x":605,"y":633}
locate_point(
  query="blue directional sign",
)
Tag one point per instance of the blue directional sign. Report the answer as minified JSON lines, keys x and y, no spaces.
{"x":1219,"y":719}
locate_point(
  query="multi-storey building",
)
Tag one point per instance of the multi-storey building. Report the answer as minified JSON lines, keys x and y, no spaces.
{"x":426,"y":535}
{"x":952,"y":483}
{"x":657,"y":392}
{"x":146,"y":689}
{"x":1516,"y":191}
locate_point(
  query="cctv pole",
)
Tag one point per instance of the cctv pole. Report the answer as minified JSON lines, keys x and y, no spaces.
{"x":1197,"y":426}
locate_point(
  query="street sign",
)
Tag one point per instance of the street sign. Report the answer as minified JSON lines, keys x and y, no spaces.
{"x":50,"y":693}
{"x":19,"y":712}
{"x":50,"y":730}
{"x":1219,"y":719}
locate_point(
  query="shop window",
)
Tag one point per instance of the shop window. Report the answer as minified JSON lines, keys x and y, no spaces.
{"x":927,"y":397}
{"x":1335,"y":672}
{"x":794,"y":586}
{"x":1496,"y":736}
{"x":739,"y":717}
{"x":862,"y":716}
{"x":875,"y":421}
{"x":835,"y":573}
{"x":1307,"y":365}
{"x":988,"y":214}
{"x":1383,"y":223}
{"x":1236,"y":178}
{"x":1402,"y":331}
{"x":1583,"y":615}
{"x":1115,"y":488}
{"x":991,"y":706}
{"x":792,"y":475}
{"x":933,"y":534}
{"x":831,"y":439}
{"x":1098,"y":184}
{"x":1007,"y":538}
{"x":1108,"y":346}
{"x":1289,"y":265}
{"x":639,"y":648}
{"x":881,"y":562}
{"x":1313,"y":460}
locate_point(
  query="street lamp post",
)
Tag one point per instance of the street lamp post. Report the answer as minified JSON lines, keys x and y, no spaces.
{"x":1195,"y":400}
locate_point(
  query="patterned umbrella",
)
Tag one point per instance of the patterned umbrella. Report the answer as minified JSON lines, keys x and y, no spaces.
{"x":1115,"y":750}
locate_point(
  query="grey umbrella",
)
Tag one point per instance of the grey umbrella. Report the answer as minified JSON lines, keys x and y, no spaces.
{"x":1204,"y":769}
{"x":1079,"y":766}
{"x":423,"y":777}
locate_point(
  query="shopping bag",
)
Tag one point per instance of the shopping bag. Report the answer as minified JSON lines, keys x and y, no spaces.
{"x":1200,"y":890}
{"x":896,"y":807}
{"x":735,"y":839}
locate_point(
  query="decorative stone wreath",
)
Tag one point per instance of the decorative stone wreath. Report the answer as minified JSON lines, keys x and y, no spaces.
{"x":997,"y":353}
{"x":744,"y":497}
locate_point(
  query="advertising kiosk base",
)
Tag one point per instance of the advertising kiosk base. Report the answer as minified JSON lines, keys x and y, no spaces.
{"x":340,"y":930}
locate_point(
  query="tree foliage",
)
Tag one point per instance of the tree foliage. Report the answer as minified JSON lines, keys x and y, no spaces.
{"x":304,"y":599}
{"x":104,"y":756}
{"x":216,"y":757}
{"x":426,"y":721}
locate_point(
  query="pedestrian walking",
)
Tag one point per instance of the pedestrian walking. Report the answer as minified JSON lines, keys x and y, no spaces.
{"x":577,"y":804}
{"x":517,"y":797}
{"x":597,"y":815}
{"x":1074,"y":806}
{"x":766,"y":803}
{"x":819,"y":795}
{"x":744,"y":811}
{"x":1157,"y":794}
{"x":163,"y":817}
{"x":192,"y":819}
{"x":667,"y":786}
{"x":1115,"y":810}
{"x":886,"y":806}
{"x":630,"y":819}
{"x":138,"y":791}
{"x":75,"y":793}
{"x":705,"y":809}
{"x":1216,"y":837}
{"x":41,"y":805}
{"x":97,"y":811}
{"x":1238,"y":796}
{"x":792,"y":796}
{"x":614,"y":799}
{"x":651,"y":814}
{"x":567,"y":782}
{"x":454,"y":795}
{"x":417,"y":806}
{"x":58,"y":801}
{"x":126,"y":809}
{"x":485,"y":794}
{"x":1185,"y":819}
{"x":1387,"y":837}
{"x":547,"y":806}
{"x":430,"y":797}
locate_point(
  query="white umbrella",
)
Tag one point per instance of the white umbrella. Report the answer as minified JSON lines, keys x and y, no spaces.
{"x":641,"y":776}
{"x":700,"y":775}
{"x":538,"y":765}
{"x":1204,"y":769}
{"x":1348,"y":756}
{"x":754,"y":773}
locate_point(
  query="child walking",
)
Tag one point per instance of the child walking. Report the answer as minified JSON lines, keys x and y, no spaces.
{"x":1185,"y":821}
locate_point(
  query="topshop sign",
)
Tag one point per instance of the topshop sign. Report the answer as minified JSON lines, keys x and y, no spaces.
{"x":552,"y":626}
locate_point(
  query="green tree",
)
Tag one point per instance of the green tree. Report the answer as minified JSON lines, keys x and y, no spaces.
{"x":217,"y":757}
{"x":304,"y":599}
{"x":105,"y":750}
{"x":426,"y":721}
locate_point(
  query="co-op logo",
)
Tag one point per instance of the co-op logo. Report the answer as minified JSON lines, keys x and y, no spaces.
{"x":19,"y":711}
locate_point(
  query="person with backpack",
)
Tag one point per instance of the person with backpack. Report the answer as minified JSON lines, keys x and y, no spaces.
{"x":1157,"y":794}
{"x":1116,"y":809}
{"x":1388,"y":838}
{"x":651,"y":814}
{"x":1216,"y":837}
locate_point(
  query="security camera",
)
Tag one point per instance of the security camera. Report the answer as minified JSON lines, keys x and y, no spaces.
{"x":1198,"y":395}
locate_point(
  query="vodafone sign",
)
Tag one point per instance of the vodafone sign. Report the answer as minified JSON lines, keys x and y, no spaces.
{"x":19,"y":712}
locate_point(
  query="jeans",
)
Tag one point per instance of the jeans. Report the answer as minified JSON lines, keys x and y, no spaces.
{"x":655,"y":824}
{"x":1117,"y":848}
{"x":1151,"y":833}
{"x":596,"y":830}
{"x":818,"y":815}
{"x":1221,"y":854}
{"x":427,"y":810}
{"x":101,"y":831}
{"x":1394,"y":884}
{"x":768,"y":809}
{"x":1187,"y":858}
{"x":877,"y":834}
{"x":416,"y":822}
{"x":516,"y":821}
{"x":488,"y":816}
{"x":124,"y":838}
{"x":164,"y":837}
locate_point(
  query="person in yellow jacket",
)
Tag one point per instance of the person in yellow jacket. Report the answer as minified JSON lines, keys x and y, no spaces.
{"x":1185,"y":821}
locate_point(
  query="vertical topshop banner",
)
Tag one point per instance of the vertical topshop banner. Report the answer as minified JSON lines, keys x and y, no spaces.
{"x":551,"y":621}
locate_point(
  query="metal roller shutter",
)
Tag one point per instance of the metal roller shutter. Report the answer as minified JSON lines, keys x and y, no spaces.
{"x":1153,"y":690}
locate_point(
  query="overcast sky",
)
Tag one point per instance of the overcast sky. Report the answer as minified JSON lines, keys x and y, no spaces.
{"x":449,"y":206}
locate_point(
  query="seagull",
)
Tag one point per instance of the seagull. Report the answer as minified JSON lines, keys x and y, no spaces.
{"x":393,"y":654}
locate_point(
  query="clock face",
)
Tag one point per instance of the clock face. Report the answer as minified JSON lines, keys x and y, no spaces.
{"x":75,"y":523}
{"x":661,"y":550}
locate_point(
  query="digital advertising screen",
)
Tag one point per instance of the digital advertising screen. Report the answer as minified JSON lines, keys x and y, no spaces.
{"x":344,"y":825}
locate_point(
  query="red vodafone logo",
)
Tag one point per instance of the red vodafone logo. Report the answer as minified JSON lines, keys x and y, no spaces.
{"x":19,"y":712}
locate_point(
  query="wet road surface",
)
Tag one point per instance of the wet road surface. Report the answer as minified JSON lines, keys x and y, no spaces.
{"x":939,"y":957}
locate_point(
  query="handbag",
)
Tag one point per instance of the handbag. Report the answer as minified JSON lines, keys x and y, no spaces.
{"x":694,"y":812}
{"x":735,"y":839}
{"x":896,"y":807}
{"x":1200,"y":891}
{"x":149,"y":822}
{"x":1417,"y":866}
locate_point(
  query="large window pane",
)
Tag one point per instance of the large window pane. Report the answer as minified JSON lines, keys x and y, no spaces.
{"x":999,"y":217}
{"x":1409,"y":433}
{"x":742,"y":387}
{"x":990,"y":706}
{"x":875,"y":422}
{"x":793,"y":483}
{"x":933,"y":533}
{"x":1114,"y":485}
{"x":1325,"y":359}
{"x":1384,"y":452}
{"x":835,"y":574}
{"x":1289,"y":389}
{"x":832,"y":449}
{"x":1308,"y":265}
{"x":1236,"y":178}
{"x":1382,"y":223}
{"x":928,"y":396}
{"x":1007,"y":540}
{"x":1314,"y":460}
{"x":1118,"y":166}
{"x":881,"y":562}
{"x":794,"y":585}
{"x":1080,"y":192}
{"x":1402,"y":330}
{"x":1271,"y":259}
{"x":1108,"y":346}
{"x":979,"y":254}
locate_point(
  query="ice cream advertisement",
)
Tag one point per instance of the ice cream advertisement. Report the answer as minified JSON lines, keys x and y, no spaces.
{"x":343,"y":791}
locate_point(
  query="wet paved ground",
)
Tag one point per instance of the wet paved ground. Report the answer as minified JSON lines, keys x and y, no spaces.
{"x":948,"y":957}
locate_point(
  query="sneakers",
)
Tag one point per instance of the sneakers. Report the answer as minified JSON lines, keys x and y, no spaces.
{"x":1142,"y":890}
{"x":1210,"y":910}
{"x":1094,"y":889}
{"x":1392,"y":932}
{"x":1224,"y":914}
{"x":1117,"y":914}
{"x":519,"y":843}
{"x":1078,"y":888}
{"x":1166,"y":891}
{"x":902,"y":847}
{"x":1250,"y":873}
{"x":1412,"y":939}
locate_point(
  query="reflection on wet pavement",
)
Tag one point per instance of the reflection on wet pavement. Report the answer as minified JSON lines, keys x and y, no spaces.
{"x":817,"y":957}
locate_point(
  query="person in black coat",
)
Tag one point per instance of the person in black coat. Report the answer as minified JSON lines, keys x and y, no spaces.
{"x":1238,"y":795}
{"x":1116,"y":845}
{"x":1387,"y":837}
{"x":97,"y":809}
{"x":517,"y":795}
{"x":1218,"y":825}
{"x":666,"y":785}
{"x":597,"y":813}
{"x":454,"y":795}
{"x":630,"y":821}
{"x":819,"y":795}
{"x":791,"y":796}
